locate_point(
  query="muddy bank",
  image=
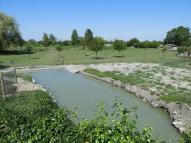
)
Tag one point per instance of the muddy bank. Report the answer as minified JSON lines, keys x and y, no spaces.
{"x":180,"y":114}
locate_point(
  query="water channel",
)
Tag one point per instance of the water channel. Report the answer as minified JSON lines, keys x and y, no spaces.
{"x":76,"y":90}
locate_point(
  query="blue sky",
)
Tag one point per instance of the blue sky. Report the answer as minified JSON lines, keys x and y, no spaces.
{"x":111,"y":19}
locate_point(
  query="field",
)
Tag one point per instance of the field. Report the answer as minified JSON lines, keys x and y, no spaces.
{"x":79,"y":56}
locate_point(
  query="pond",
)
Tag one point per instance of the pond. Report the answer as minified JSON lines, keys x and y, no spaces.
{"x":76,"y":90}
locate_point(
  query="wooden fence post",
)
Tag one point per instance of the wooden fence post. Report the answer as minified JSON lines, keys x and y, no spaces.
{"x":2,"y":84}
{"x":16,"y":76}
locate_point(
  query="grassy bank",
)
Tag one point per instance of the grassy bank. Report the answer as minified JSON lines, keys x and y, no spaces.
{"x":144,"y":80}
{"x":79,"y":56}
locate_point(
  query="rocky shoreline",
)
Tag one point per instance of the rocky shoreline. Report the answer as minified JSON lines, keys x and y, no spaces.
{"x":180,"y":114}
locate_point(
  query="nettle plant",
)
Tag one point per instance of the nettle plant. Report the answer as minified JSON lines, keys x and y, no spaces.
{"x":119,"y":126}
{"x":56,"y":125}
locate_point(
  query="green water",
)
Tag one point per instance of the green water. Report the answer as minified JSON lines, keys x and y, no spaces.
{"x":75,"y":90}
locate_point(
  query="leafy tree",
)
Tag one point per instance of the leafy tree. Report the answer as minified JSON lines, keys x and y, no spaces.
{"x":119,"y":45}
{"x":9,"y":32}
{"x":133,"y":42}
{"x":97,"y":44}
{"x":75,"y":38}
{"x":28,"y":49}
{"x":178,"y":36}
{"x":45,"y":40}
{"x":88,"y":37}
{"x":52,"y":39}
{"x":187,"y":43}
{"x":59,"y":48}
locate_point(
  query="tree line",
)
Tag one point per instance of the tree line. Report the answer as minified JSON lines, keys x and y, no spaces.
{"x":11,"y":39}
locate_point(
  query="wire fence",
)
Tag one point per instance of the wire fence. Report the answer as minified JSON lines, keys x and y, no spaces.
{"x":8,"y":80}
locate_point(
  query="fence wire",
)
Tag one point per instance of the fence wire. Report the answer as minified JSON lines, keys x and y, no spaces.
{"x":8,"y":80}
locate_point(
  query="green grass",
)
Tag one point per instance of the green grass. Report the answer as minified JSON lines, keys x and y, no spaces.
{"x":177,"y":98}
{"x":131,"y":79}
{"x":79,"y":56}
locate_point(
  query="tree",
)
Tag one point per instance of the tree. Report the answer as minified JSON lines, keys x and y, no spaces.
{"x":178,"y":36}
{"x":164,"y":49}
{"x":75,"y":38}
{"x":48,"y":40}
{"x":88,"y":37}
{"x":133,"y":42}
{"x":97,"y":44}
{"x":83,"y":44}
{"x":119,"y":45}
{"x":59,"y":48}
{"x":9,"y":32}
{"x":45,"y":40}
{"x":52,"y":39}
{"x":28,"y":49}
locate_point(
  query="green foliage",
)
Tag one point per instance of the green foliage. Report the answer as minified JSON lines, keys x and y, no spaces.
{"x":119,"y":45}
{"x":177,"y":98}
{"x":133,"y":42}
{"x":182,"y":49}
{"x":21,"y":110}
{"x":45,"y":40}
{"x":88,"y":38}
{"x":186,"y":137}
{"x":97,"y":44}
{"x":52,"y":39}
{"x":148,"y":44}
{"x":9,"y":32}
{"x":119,"y":126}
{"x":34,"y":117}
{"x":75,"y":38}
{"x":59,"y":48}
{"x":178,"y":36}
{"x":131,"y":79}
{"x":28,"y":48}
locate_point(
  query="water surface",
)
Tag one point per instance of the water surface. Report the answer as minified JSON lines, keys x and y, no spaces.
{"x":76,"y":90}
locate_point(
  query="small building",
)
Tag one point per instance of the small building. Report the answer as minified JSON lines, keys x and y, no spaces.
{"x":172,"y":47}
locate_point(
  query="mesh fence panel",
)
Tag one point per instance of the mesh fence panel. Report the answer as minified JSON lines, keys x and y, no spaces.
{"x":8,"y":81}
